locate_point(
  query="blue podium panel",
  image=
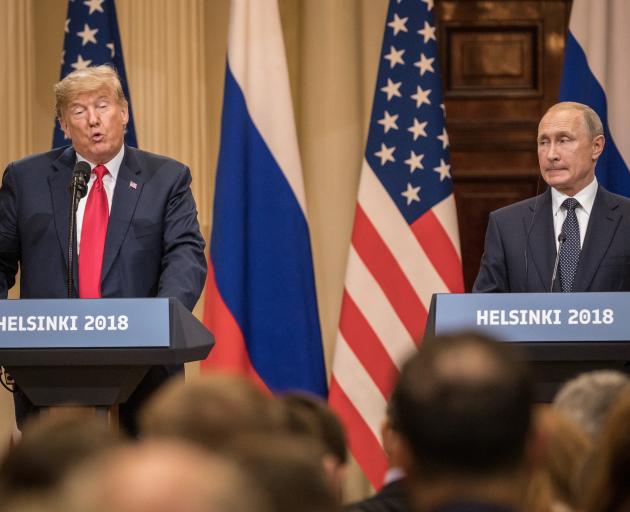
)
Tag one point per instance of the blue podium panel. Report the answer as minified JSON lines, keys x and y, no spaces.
{"x":536,"y":317}
{"x":84,"y":323}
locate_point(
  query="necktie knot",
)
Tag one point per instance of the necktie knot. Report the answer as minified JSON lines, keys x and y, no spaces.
{"x":570,"y":204}
{"x":100,"y":171}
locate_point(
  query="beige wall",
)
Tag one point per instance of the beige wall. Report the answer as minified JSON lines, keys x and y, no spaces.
{"x":175,"y":57}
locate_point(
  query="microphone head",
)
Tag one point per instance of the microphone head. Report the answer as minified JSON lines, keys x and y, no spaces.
{"x":83,"y":169}
{"x":81,"y":178}
{"x":562,"y":238}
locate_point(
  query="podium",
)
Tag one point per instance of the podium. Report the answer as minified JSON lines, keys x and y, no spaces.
{"x":560,"y":334}
{"x":94,"y":352}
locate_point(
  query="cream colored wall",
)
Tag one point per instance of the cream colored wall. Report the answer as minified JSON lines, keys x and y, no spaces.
{"x":175,"y":57}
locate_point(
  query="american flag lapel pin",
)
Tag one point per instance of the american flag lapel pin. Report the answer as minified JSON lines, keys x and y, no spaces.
{"x":133,"y":185}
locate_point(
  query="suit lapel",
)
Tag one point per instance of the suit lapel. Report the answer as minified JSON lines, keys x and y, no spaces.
{"x":540,"y":243}
{"x":602,"y":225}
{"x":58,"y":181}
{"x":126,"y":194}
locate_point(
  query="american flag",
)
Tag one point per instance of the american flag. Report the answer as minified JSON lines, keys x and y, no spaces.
{"x":405,"y":241}
{"x":91,"y":39}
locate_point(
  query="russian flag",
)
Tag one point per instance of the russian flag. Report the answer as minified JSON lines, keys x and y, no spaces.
{"x":260,"y":292}
{"x":596,"y":73}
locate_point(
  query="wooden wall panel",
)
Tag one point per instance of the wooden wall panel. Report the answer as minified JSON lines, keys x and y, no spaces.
{"x":502,"y":64}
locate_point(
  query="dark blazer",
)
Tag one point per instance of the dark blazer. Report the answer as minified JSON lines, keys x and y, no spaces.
{"x":153,"y":247}
{"x":520,"y":249}
{"x":393,"y":497}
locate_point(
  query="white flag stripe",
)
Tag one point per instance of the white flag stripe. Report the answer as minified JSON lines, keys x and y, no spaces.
{"x":376,"y":309}
{"x":446,"y":213}
{"x":358,"y":386}
{"x":600,"y":27}
{"x":395,"y":232}
{"x":250,"y":60}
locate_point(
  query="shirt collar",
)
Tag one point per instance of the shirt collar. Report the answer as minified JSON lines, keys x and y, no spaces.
{"x":586,"y":197}
{"x":113,"y":166}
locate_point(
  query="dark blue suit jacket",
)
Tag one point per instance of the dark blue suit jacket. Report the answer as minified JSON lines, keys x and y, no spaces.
{"x":153,"y":246}
{"x":520,"y":247}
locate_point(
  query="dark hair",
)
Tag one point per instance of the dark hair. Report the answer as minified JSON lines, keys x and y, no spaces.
{"x":464,"y":403}
{"x":309,"y":415}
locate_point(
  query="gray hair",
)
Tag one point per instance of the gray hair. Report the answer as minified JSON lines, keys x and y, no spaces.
{"x":593,"y":123}
{"x":587,"y":398}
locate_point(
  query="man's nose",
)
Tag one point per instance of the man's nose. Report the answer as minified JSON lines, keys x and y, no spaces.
{"x":552,"y":153}
{"x":93,"y":117}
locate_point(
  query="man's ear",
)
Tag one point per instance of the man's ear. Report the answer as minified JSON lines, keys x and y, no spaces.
{"x":404,"y":455}
{"x":598,"y":146}
{"x":64,"y":127}
{"x":124,"y":109}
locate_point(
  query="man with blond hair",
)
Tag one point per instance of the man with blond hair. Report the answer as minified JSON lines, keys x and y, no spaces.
{"x":575,"y":224}
{"x":136,"y":229}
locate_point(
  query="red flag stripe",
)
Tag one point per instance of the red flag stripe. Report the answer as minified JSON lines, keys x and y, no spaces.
{"x":397,"y":235}
{"x":437,"y":245}
{"x":365,"y":448}
{"x":230,"y":353}
{"x":382,"y":264}
{"x":366,"y":345}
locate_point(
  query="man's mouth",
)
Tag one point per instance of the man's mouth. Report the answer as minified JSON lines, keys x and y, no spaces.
{"x":97,"y":137}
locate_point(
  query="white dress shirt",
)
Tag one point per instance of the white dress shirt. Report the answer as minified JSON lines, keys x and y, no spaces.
{"x":109,"y":182}
{"x":586,"y":198}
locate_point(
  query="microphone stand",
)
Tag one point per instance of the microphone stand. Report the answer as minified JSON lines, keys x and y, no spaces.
{"x":78,"y":189}
{"x":561,"y":239}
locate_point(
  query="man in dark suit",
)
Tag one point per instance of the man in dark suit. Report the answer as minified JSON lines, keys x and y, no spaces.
{"x":522,"y":240}
{"x":394,"y":495}
{"x":463,"y":405}
{"x":137,"y":229}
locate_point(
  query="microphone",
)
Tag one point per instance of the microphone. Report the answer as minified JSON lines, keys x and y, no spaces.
{"x":561,"y":239}
{"x":80,"y":180}
{"x":78,"y":189}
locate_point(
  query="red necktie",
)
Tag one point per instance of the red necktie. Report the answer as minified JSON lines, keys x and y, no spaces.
{"x":93,"y":233}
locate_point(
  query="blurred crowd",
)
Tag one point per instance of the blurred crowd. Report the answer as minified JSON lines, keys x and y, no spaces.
{"x":462,"y":433}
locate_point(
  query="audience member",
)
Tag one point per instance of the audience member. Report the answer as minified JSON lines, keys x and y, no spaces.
{"x":587,"y":398}
{"x":310,"y":416}
{"x":161,"y":476}
{"x":463,"y":405}
{"x":50,"y":446}
{"x":288,"y":468}
{"x":557,"y":485}
{"x":209,"y":410}
{"x":610,"y":478}
{"x":393,"y":496}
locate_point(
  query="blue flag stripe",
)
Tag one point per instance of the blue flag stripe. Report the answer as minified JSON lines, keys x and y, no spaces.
{"x":261,"y":252}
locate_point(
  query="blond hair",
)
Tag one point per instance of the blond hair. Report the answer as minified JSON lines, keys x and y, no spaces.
{"x":87,"y":80}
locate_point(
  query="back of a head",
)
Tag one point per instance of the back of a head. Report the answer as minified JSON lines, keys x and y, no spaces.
{"x":310,"y":415}
{"x":161,"y":476}
{"x":208,"y":410}
{"x":463,"y":404}
{"x":558,"y":480}
{"x":587,"y":398}
{"x":609,"y":483}
{"x":50,"y":446}
{"x":288,"y":468}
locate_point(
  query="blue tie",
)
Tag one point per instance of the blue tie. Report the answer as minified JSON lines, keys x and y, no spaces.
{"x":570,"y":250}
